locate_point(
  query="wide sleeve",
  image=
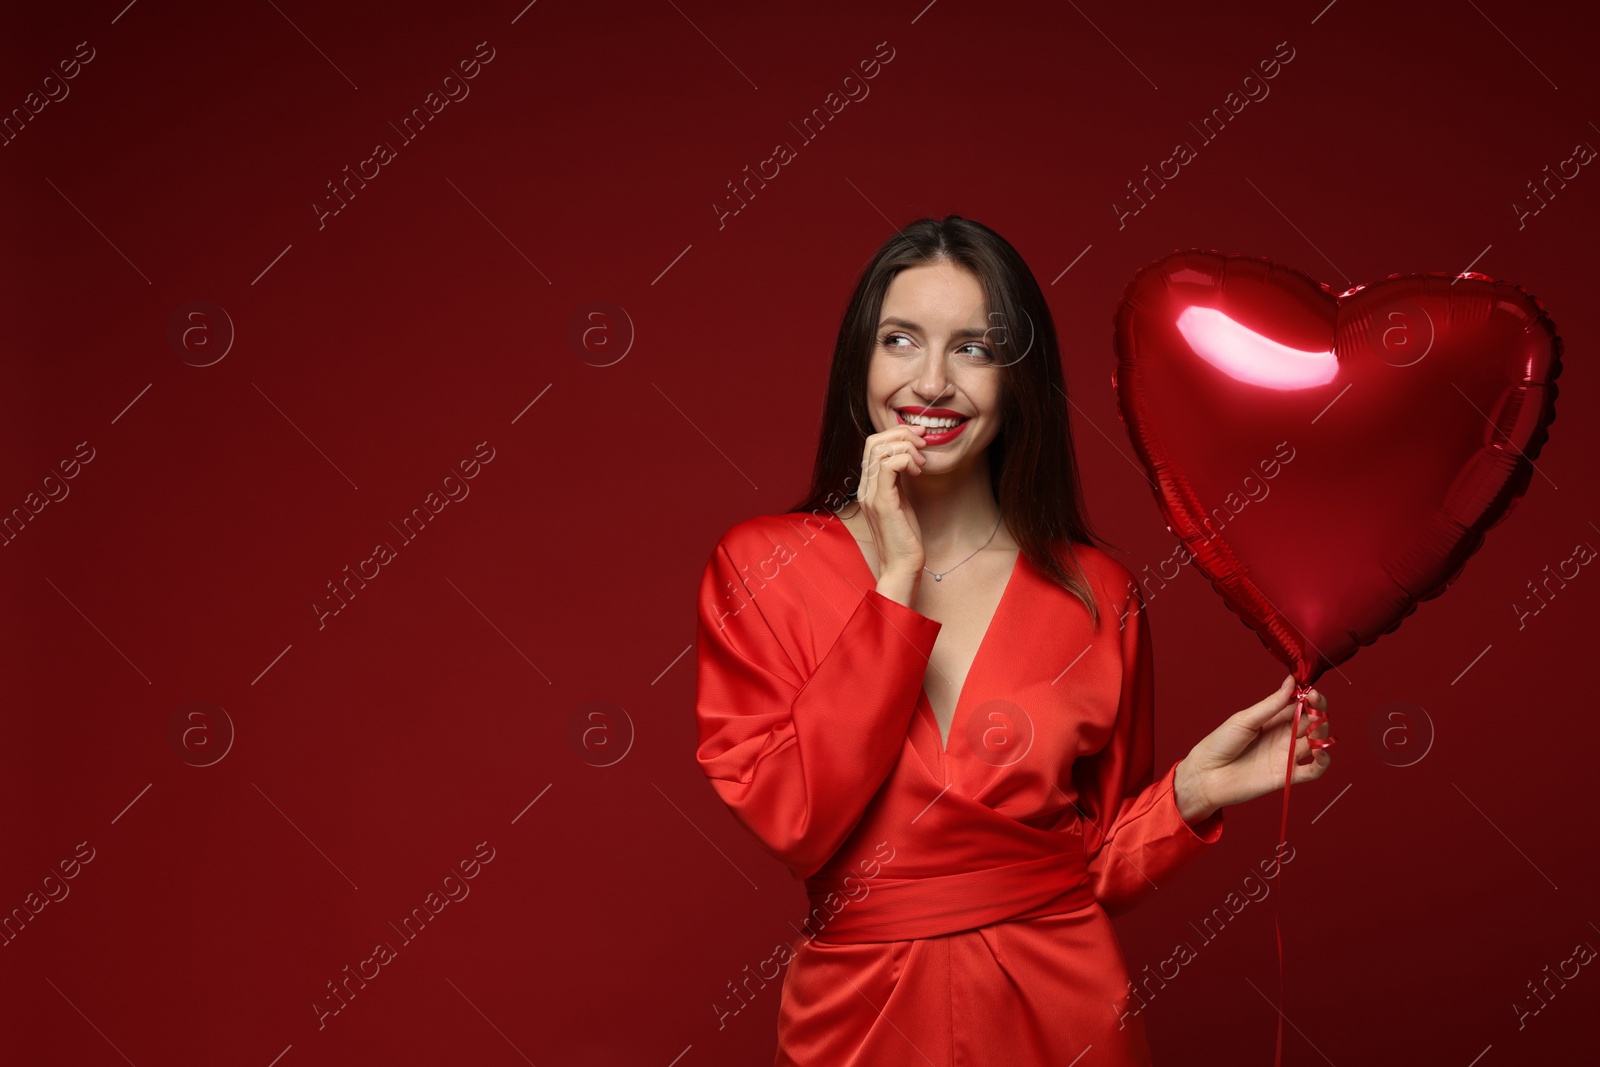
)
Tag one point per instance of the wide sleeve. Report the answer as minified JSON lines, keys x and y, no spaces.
{"x":1135,"y":837}
{"x":798,"y":754}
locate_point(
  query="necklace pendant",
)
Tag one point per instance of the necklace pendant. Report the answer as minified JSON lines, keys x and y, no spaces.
{"x":938,"y":577}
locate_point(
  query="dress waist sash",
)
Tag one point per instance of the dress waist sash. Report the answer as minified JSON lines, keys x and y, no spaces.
{"x":902,"y":909}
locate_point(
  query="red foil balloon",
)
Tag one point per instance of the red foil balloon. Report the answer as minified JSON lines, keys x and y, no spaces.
{"x":1330,"y":460}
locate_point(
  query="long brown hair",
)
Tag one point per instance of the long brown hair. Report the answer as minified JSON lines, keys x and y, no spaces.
{"x":1032,"y":464}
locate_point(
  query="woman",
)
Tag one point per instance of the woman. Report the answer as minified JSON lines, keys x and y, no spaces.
{"x":928,"y":694}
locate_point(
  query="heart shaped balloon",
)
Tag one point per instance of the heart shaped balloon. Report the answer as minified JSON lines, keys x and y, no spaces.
{"x":1328,"y":461}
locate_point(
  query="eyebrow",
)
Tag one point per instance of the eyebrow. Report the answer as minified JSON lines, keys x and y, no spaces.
{"x":969,"y":332}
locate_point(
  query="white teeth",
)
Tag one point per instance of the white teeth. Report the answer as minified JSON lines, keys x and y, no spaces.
{"x":932,"y":424}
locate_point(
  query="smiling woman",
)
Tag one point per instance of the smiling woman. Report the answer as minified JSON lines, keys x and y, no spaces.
{"x":994,"y":728}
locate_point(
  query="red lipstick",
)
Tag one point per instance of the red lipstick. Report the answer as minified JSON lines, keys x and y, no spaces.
{"x":934,"y":413}
{"x":937,"y":437}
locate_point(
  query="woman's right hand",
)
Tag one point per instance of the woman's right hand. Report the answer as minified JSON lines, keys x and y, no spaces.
{"x":885,"y":459}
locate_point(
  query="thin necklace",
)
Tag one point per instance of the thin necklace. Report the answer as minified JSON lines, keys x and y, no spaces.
{"x":940,"y":577}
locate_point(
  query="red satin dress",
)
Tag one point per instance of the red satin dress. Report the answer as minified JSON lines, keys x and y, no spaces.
{"x":960,"y":892}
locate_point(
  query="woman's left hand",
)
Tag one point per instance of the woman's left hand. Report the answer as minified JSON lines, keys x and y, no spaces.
{"x":1244,"y":758}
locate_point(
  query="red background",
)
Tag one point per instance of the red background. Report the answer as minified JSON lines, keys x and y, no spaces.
{"x":371,"y":754}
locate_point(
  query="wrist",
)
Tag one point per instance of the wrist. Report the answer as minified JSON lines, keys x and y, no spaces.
{"x":1188,"y":790}
{"x":899,"y":586}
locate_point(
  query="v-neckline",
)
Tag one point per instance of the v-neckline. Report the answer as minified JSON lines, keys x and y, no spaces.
{"x":923,"y":699}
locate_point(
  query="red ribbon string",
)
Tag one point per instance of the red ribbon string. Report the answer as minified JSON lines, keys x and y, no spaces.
{"x":1314,"y":719}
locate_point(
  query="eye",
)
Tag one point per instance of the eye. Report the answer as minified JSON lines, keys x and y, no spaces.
{"x":980,"y":353}
{"x":886,"y":338}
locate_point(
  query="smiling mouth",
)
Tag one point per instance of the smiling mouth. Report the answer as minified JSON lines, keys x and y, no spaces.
{"x":934,"y":424}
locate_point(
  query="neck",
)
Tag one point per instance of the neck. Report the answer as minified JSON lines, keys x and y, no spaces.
{"x":956,"y":512}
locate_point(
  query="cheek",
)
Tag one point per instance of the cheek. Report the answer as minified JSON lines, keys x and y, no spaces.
{"x":878,"y":399}
{"x":987,"y":397}
{"x":986,"y":439}
{"x":878,"y":385}
{"x":992,"y":421}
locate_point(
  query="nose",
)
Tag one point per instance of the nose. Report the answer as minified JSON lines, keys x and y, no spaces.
{"x":932,"y":383}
